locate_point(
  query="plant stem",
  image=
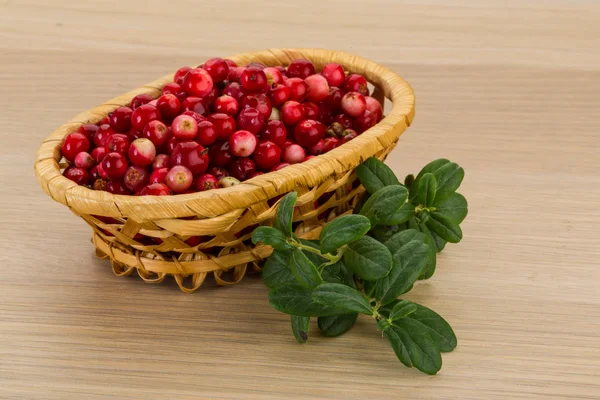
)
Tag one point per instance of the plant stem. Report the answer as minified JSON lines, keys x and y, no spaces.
{"x":332,"y":258}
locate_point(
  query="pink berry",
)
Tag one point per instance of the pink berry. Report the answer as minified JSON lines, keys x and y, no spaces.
{"x":334,"y":73}
{"x":301,"y":69}
{"x":279,"y":94}
{"x":311,"y":110}
{"x":155,"y":189}
{"x":330,"y":143}
{"x":218,"y":172}
{"x":197,"y":83}
{"x":184,"y":127}
{"x":364,"y":122}
{"x":235,"y":73}
{"x":207,"y":182}
{"x":142,"y":152}
{"x":140,"y":100}
{"x":224,"y":125}
{"x":343,"y":120}
{"x":254,"y":79}
{"x":274,"y":131}
{"x":298,"y":89}
{"x":196,"y":104}
{"x":354,"y":104}
{"x":219,"y":154}
{"x":143,"y":115}
{"x":217,"y":68}
{"x":293,"y":154}
{"x":161,"y":161}
{"x":374,"y":106}
{"x":117,"y":143}
{"x":250,"y":119}
{"x":267,"y":155}
{"x":120,"y":119}
{"x":191,"y":155}
{"x":158,"y":175}
{"x":88,"y":130}
{"x":136,"y":178}
{"x":180,"y":74}
{"x":207,"y":134}
{"x":242,"y":143}
{"x":199,"y":118}
{"x":318,"y":88}
{"x":179,"y":179}
{"x":259,"y":101}
{"x":241,"y":168}
{"x":274,"y":77}
{"x":98,"y":154}
{"x":168,"y":105}
{"x":115,"y":165}
{"x":78,"y":175}
{"x":226,"y":105}
{"x":356,"y":83}
{"x":292,"y":112}
{"x":157,"y":133}
{"x":308,"y":132}
{"x":280,"y":166}
{"x":74,"y":144}
{"x":234,"y":90}
{"x":84,"y":160}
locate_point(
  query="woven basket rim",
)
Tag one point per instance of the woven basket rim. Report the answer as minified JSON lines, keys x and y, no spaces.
{"x":215,"y":203}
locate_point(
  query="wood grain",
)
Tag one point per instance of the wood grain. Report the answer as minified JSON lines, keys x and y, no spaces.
{"x":507,"y":89}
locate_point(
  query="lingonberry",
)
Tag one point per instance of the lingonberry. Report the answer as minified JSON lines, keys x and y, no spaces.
{"x":140,"y":100}
{"x":84,"y":160}
{"x":184,"y":127}
{"x":274,"y":77}
{"x":283,"y":71}
{"x":298,"y":89}
{"x":330,"y":143}
{"x":117,"y":143}
{"x":219,"y":154}
{"x":309,"y":158}
{"x":318,"y":88}
{"x":335,"y":130}
{"x":142,"y":152}
{"x":218,"y":172}
{"x":191,"y":155}
{"x":258,"y":65}
{"x":308,"y":132}
{"x":134,"y":134}
{"x":158,"y":175}
{"x":101,"y":172}
{"x":157,"y":133}
{"x":287,"y":143}
{"x":259,"y":101}
{"x":326,"y":114}
{"x":228,"y":181}
{"x":364,"y":122}
{"x":254,"y":79}
{"x":197,"y":82}
{"x":230,"y":63}
{"x":354,"y":104}
{"x":120,"y":119}
{"x":199,"y":118}
{"x":143,"y":115}
{"x":161,"y":161}
{"x":311,"y":110}
{"x":207,"y":133}
{"x":207,"y":182}
{"x":275,"y":114}
{"x":74,"y":144}
{"x":171,"y":144}
{"x":224,"y":125}
{"x":317,"y":148}
{"x":293,"y":154}
{"x":136,"y":178}
{"x":279,"y":94}
{"x":301,"y":69}
{"x":175,"y":89}
{"x":374,"y":106}
{"x":343,"y":120}
{"x":196,"y":104}
{"x":292,"y":112}
{"x":214,"y":94}
{"x":235,"y":90}
{"x":104,"y":121}
{"x":217,"y":68}
{"x":179,"y":179}
{"x":98,"y":154}
{"x":255,"y":174}
{"x":242,"y":143}
{"x":280,"y":166}
{"x":155,"y":189}
{"x":334,"y":73}
{"x":78,"y":175}
{"x":334,"y":98}
{"x":116,"y":187}
{"x":235,"y":73}
{"x":267,"y":155}
{"x":115,"y":165}
{"x":226,"y":105}
{"x":356,"y":83}
{"x":241,"y":168}
{"x":180,"y":74}
{"x":250,"y":119}
{"x":169,"y":106}
{"x":274,"y":131}
{"x":88,"y":130}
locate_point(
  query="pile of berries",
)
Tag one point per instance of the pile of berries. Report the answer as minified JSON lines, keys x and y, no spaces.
{"x":220,"y":124}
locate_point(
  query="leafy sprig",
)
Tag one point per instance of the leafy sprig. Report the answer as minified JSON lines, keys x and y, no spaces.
{"x":363,"y":262}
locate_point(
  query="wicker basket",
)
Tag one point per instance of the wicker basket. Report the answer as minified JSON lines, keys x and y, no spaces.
{"x":222,"y":220}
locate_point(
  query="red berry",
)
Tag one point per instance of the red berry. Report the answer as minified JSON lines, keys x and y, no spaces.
{"x":197,"y":104}
{"x":161,"y":161}
{"x":235,"y":73}
{"x":143,"y":115}
{"x":142,"y":152}
{"x":254,"y":79}
{"x":88,"y":130}
{"x":117,"y":143}
{"x":179,"y":179}
{"x":318,"y":88}
{"x":226,"y":105}
{"x":140,"y":100}
{"x":334,"y":98}
{"x":234,"y":90}
{"x":293,"y":154}
{"x":168,"y":105}
{"x":267,"y":155}
{"x":344,"y":120}
{"x":280,"y":166}
{"x":219,"y":154}
{"x":199,"y":118}
{"x":218,"y":172}
{"x":292,"y":112}
{"x":330,"y":143}
{"x":155,"y":189}
{"x":250,"y":119}
{"x":259,"y":101}
{"x":115,"y":165}
{"x":207,"y":182}
{"x":309,"y":157}
{"x":258,"y":65}
{"x":255,"y":174}
{"x":283,"y":71}
{"x":157,"y":132}
{"x":274,"y":77}
{"x":354,"y":104}
{"x":374,"y":106}
{"x":298,"y":89}
{"x":158,"y":175}
{"x":311,"y":110}
{"x":101,"y":172}
{"x":217,"y":68}
{"x":136,"y":178}
{"x":184,"y":127}
{"x":318,"y":148}
{"x":116,"y":187}
{"x":171,"y":144}
{"x":356,"y":83}
{"x":120,"y":119}
{"x":279,"y":94}
{"x":84,"y":160}
{"x":98,"y":154}
{"x":191,"y":155}
{"x":288,"y":142}
{"x":364,"y":122}
{"x":78,"y":175}
{"x":74,"y":144}
{"x":134,"y":134}
{"x":180,"y":74}
{"x":224,"y":125}
{"x":175,"y":89}
{"x":300,"y":68}
{"x":207,"y":133}
{"x":274,"y":131}
{"x":308,"y":132}
{"x":241,"y":168}
{"x":214,"y":94}
{"x":242,"y":143}
{"x":231,"y":63}
{"x":197,"y":83}
{"x":94,"y":175}
{"x":334,"y":73}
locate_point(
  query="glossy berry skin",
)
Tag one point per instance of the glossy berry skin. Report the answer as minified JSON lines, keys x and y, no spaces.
{"x":311,"y":110}
{"x":374,"y":106}
{"x":78,"y":175}
{"x":235,"y":90}
{"x":334,"y":73}
{"x":184,"y":127}
{"x":356,"y":83}
{"x":217,"y":68}
{"x":219,"y":154}
{"x":212,"y":95}
{"x":136,"y":178}
{"x":274,"y":131}
{"x":98,"y":154}
{"x":293,"y":154}
{"x":142,"y":152}
{"x":224,"y":125}
{"x":117,"y":143}
{"x":279,"y":94}
{"x":196,"y":104}
{"x":199,"y":118}
{"x":330,"y":143}
{"x":143,"y":115}
{"x":226,"y":105}
{"x":120,"y":119}
{"x":292,"y":112}
{"x":101,"y":172}
{"x":253,"y":79}
{"x":191,"y":155}
{"x":155,"y":189}
{"x":180,"y":74}
{"x":197,"y":83}
{"x":179,"y":179}
{"x":171,"y":144}
{"x":230,"y":63}
{"x":218,"y":172}
{"x":207,"y":182}
{"x":318,"y":88}
{"x":298,"y":89}
{"x":207,"y":133}
{"x":334,"y":98}
{"x":235,"y":73}
{"x":88,"y":130}
{"x":241,"y":168}
{"x":317,"y":148}
{"x":175,"y":89}
{"x":300,"y":69}
{"x":134,"y":134}
{"x":364,"y":122}
{"x":280,"y":166}
{"x":274,"y":76}
{"x":259,"y":101}
{"x":116,"y":187}
{"x":161,"y":161}
{"x":242,"y":143}
{"x":140,"y":100}
{"x":354,"y":104}
{"x":157,"y":133}
{"x":158,"y":175}
{"x":74,"y":144}
{"x":308,"y":132}
{"x":115,"y":165}
{"x":250,"y":119}
{"x":94,"y":176}
{"x":267,"y":155}
{"x":343,"y":120}
{"x":169,"y":106}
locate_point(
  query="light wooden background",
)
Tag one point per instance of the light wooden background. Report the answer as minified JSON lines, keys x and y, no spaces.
{"x":508,"y":89}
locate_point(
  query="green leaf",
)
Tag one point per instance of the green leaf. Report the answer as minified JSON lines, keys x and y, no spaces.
{"x":439,"y":242}
{"x":361,"y":202}
{"x":438,"y":329}
{"x":413,"y":346}
{"x":305,"y":271}
{"x":429,"y":168}
{"x":384,"y":203}
{"x":383,"y":232}
{"x":383,"y":325}
{"x":338,"y":273}
{"x":453,"y":207}
{"x":270,"y":236}
{"x":300,"y":328}
{"x":432,"y":258}
{"x":343,"y":230}
{"x":314,"y":258}
{"x":406,"y":212}
{"x":276,"y":271}
{"x":409,"y":181}
{"x":402,"y":309}
{"x":444,"y":227}
{"x":397,"y":339}
{"x":427,"y":189}
{"x":295,"y":299}
{"x":449,"y":177}
{"x":374,"y":175}
{"x":285,"y":212}
{"x":368,"y":259}
{"x":342,"y":297}
{"x":337,"y":324}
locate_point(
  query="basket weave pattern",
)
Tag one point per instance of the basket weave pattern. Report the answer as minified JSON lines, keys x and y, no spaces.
{"x":149,"y":233}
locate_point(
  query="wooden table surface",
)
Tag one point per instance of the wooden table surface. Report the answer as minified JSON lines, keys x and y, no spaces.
{"x":510,"y":90}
